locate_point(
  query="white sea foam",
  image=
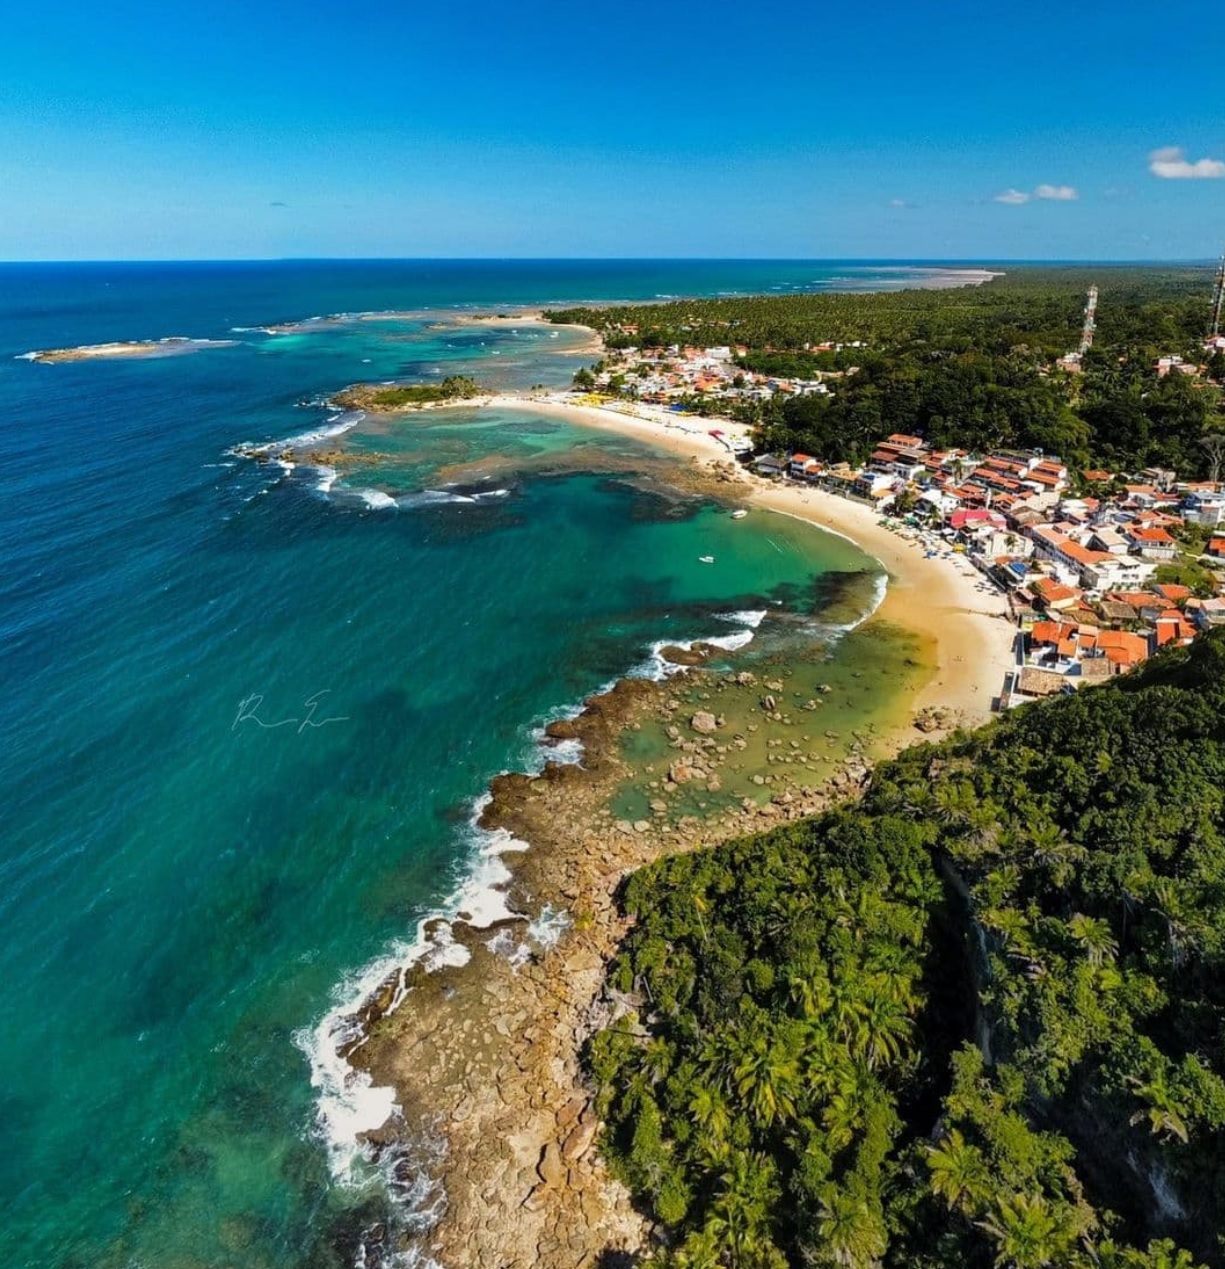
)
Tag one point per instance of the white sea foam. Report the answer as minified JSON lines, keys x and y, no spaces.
{"x":327,"y":478}
{"x":545,"y":930}
{"x":546,"y":749}
{"x":336,"y":425}
{"x":751,"y":617}
{"x":658,"y":668}
{"x":377,"y":500}
{"x":348,"y":1103}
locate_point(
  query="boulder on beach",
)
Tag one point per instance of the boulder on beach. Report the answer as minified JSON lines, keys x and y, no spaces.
{"x":704,"y":722}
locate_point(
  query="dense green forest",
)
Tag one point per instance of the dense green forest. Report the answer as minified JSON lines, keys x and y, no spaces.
{"x":973,"y":1020}
{"x":972,"y":366}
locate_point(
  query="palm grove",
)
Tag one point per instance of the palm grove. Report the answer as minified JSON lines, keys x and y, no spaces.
{"x":975,"y":1019}
{"x":969,"y":367}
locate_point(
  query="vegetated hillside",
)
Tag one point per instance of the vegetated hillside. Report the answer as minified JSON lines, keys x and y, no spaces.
{"x":970,"y":367}
{"x":973,"y":1020}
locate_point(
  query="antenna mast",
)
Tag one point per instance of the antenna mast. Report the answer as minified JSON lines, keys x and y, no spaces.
{"x":1086,"y":332}
{"x":1218,"y":301}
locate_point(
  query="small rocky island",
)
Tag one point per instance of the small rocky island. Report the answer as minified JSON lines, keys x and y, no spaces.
{"x":171,"y":346}
{"x":388,"y":398}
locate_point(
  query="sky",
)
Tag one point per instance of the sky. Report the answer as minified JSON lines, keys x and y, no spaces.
{"x":923,"y":130}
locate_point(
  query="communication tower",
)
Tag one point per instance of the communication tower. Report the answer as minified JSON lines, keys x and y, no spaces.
{"x":1086,"y":332}
{"x":1218,"y":301}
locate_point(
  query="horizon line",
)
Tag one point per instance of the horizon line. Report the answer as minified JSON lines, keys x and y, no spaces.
{"x":935,"y":261}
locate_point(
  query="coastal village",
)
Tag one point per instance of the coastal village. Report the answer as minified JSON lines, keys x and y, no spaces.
{"x":1084,"y":572}
{"x":1100,"y":568}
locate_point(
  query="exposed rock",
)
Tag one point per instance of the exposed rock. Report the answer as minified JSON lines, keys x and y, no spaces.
{"x":580,"y":1139}
{"x":551,"y":1169}
{"x":704,"y":722}
{"x":933,"y":718}
{"x":536,"y":1200}
{"x":696,"y":654}
{"x":570,"y":1112}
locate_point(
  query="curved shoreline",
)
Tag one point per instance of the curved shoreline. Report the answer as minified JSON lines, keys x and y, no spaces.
{"x":946,"y":600}
{"x":486,"y":1056}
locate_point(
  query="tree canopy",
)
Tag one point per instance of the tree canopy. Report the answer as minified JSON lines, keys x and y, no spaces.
{"x":973,"y":367}
{"x":975,"y":1019}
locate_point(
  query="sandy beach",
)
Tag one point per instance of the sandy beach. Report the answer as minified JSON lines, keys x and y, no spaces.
{"x":945,"y":599}
{"x":589,"y":342}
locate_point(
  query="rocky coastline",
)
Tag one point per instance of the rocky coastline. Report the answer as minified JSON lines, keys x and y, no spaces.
{"x":487,"y":1059}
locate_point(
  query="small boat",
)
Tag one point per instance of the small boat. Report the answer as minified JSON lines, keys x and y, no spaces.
{"x":739,"y":514}
{"x":706,"y":559}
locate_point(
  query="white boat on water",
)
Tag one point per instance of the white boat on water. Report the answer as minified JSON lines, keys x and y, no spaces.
{"x":739,"y":514}
{"x":706,"y":559}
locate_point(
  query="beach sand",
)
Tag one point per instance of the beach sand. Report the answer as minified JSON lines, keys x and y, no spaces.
{"x":947,"y":600}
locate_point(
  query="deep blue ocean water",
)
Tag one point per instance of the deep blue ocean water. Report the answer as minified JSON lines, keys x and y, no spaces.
{"x":245,"y":722}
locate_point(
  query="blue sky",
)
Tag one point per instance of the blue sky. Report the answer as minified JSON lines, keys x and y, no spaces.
{"x":1086,"y":130}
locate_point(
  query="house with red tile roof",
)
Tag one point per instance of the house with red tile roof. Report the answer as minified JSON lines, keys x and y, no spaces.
{"x":1123,"y":649}
{"x":1054,"y":595}
{"x":1151,"y":544}
{"x":1173,"y":592}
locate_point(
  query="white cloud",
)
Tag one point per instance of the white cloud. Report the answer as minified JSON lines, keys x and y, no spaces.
{"x":900,"y":203}
{"x":1171,"y":165}
{"x":1047,"y":193}
{"x":1057,"y":193}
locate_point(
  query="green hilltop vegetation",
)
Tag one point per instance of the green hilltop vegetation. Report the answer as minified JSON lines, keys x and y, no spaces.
{"x":975,"y":1020}
{"x":377,"y":396}
{"x":970,"y":367}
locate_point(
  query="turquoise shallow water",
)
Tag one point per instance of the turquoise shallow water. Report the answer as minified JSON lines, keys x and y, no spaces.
{"x":245,"y":722}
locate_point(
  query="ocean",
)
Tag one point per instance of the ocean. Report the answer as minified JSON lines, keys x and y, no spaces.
{"x":249,"y":707}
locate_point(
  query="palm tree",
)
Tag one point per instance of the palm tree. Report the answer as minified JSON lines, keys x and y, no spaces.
{"x":1094,"y":937}
{"x":740,"y":1214}
{"x":1026,"y":1232}
{"x":958,"y":1172}
{"x":812,"y":993}
{"x":852,"y":1232}
{"x":701,"y":1250}
{"x":766,"y":1075}
{"x":1165,"y":1117}
{"x":710,"y":1113}
{"x":886,"y":1030}
{"x":1052,"y":850}
{"x":1184,"y":931}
